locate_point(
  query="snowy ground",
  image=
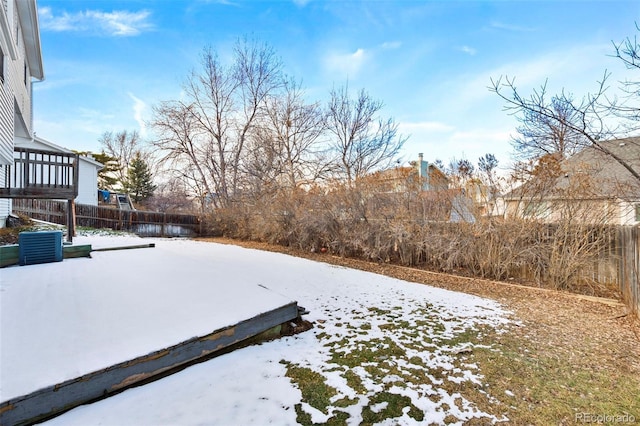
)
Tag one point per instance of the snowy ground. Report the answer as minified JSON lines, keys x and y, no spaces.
{"x":61,"y":320}
{"x":377,"y":341}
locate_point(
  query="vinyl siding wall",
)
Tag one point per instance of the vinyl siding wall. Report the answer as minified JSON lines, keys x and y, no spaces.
{"x":6,"y":125}
{"x":87,"y":184}
{"x":15,"y":92}
{"x":21,"y":84}
{"x":6,"y":87}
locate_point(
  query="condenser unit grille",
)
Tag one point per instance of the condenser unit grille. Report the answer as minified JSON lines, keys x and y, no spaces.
{"x":39,"y":247}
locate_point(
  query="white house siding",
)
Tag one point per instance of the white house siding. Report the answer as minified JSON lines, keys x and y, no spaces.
{"x":6,"y":137}
{"x":87,"y":183}
{"x":6,"y":127}
{"x":7,"y":86}
{"x":6,"y":122}
{"x":8,"y":19}
{"x":18,"y":75}
{"x":21,"y":56}
{"x":22,"y":91}
{"x":5,"y":206}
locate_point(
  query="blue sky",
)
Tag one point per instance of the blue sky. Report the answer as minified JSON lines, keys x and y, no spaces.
{"x":107,"y":63}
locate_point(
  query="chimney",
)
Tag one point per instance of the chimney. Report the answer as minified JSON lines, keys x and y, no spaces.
{"x":420,"y":157}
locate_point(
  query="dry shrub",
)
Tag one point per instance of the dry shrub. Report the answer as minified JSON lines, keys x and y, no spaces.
{"x":409,"y":230}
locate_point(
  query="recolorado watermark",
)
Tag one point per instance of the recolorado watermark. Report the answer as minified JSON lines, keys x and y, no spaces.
{"x":605,"y":418}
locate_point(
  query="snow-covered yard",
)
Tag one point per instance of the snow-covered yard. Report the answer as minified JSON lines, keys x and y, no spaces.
{"x":382,"y":350}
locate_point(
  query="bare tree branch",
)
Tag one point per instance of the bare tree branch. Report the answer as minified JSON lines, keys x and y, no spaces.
{"x":362,"y":141}
{"x":587,"y":120}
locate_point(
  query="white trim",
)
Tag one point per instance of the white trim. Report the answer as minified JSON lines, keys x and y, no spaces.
{"x":7,"y":35}
{"x":10,"y":48}
{"x":28,"y":14}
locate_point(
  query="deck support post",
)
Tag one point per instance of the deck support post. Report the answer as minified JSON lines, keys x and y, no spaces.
{"x":71,"y":220}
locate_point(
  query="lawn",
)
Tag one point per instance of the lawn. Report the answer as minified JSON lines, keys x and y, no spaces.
{"x":387,"y":349}
{"x":562,"y":359}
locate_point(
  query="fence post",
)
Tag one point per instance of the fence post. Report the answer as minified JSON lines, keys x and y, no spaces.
{"x":71,"y":220}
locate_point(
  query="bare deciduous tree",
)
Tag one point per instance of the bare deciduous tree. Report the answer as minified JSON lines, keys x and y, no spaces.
{"x":179,"y":138}
{"x":207,"y":133}
{"x":588,"y":122}
{"x":123,"y":146}
{"x":171,"y":197}
{"x":287,"y":148}
{"x":540,"y":135}
{"x":361,"y":140}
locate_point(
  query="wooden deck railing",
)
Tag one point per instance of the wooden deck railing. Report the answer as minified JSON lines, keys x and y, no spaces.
{"x":41,"y":174}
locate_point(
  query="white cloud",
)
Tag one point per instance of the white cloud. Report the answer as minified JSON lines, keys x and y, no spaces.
{"x":424,"y":126}
{"x":387,"y":45}
{"x":116,"y":23}
{"x":301,"y":3}
{"x":481,"y":125}
{"x":511,"y":27}
{"x":139,"y":108}
{"x":93,"y":115}
{"x":574,"y":68}
{"x":446,"y":143}
{"x":350,"y":64}
{"x":469,"y":50}
{"x":473,"y":144}
{"x":346,"y":64}
{"x":472,"y":139}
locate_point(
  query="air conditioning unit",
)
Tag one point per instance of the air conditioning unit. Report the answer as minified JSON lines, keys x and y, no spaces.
{"x":39,"y":247}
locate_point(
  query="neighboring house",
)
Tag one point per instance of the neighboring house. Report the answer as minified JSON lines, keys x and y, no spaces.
{"x":430,"y":185}
{"x":20,"y":65}
{"x":419,"y":177}
{"x":483,"y":198}
{"x":589,"y":187}
{"x":87,"y":168}
{"x":436,"y":189}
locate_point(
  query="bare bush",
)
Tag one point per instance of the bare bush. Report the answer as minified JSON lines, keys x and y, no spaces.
{"x":391,"y":228}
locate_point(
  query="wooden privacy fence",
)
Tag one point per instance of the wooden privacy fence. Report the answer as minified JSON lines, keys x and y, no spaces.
{"x":628,"y":245}
{"x":616,"y":265}
{"x":148,"y":224}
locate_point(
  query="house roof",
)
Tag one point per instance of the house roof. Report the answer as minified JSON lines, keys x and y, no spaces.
{"x":57,"y":148}
{"x":609,"y":177}
{"x":28,"y":14}
{"x":407,"y":175}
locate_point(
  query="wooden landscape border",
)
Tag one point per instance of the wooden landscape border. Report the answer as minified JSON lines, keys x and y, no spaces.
{"x":53,"y":400}
{"x":9,"y":254}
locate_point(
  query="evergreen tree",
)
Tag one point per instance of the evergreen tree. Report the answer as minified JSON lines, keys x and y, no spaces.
{"x":108,"y":175}
{"x":139,"y":182}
